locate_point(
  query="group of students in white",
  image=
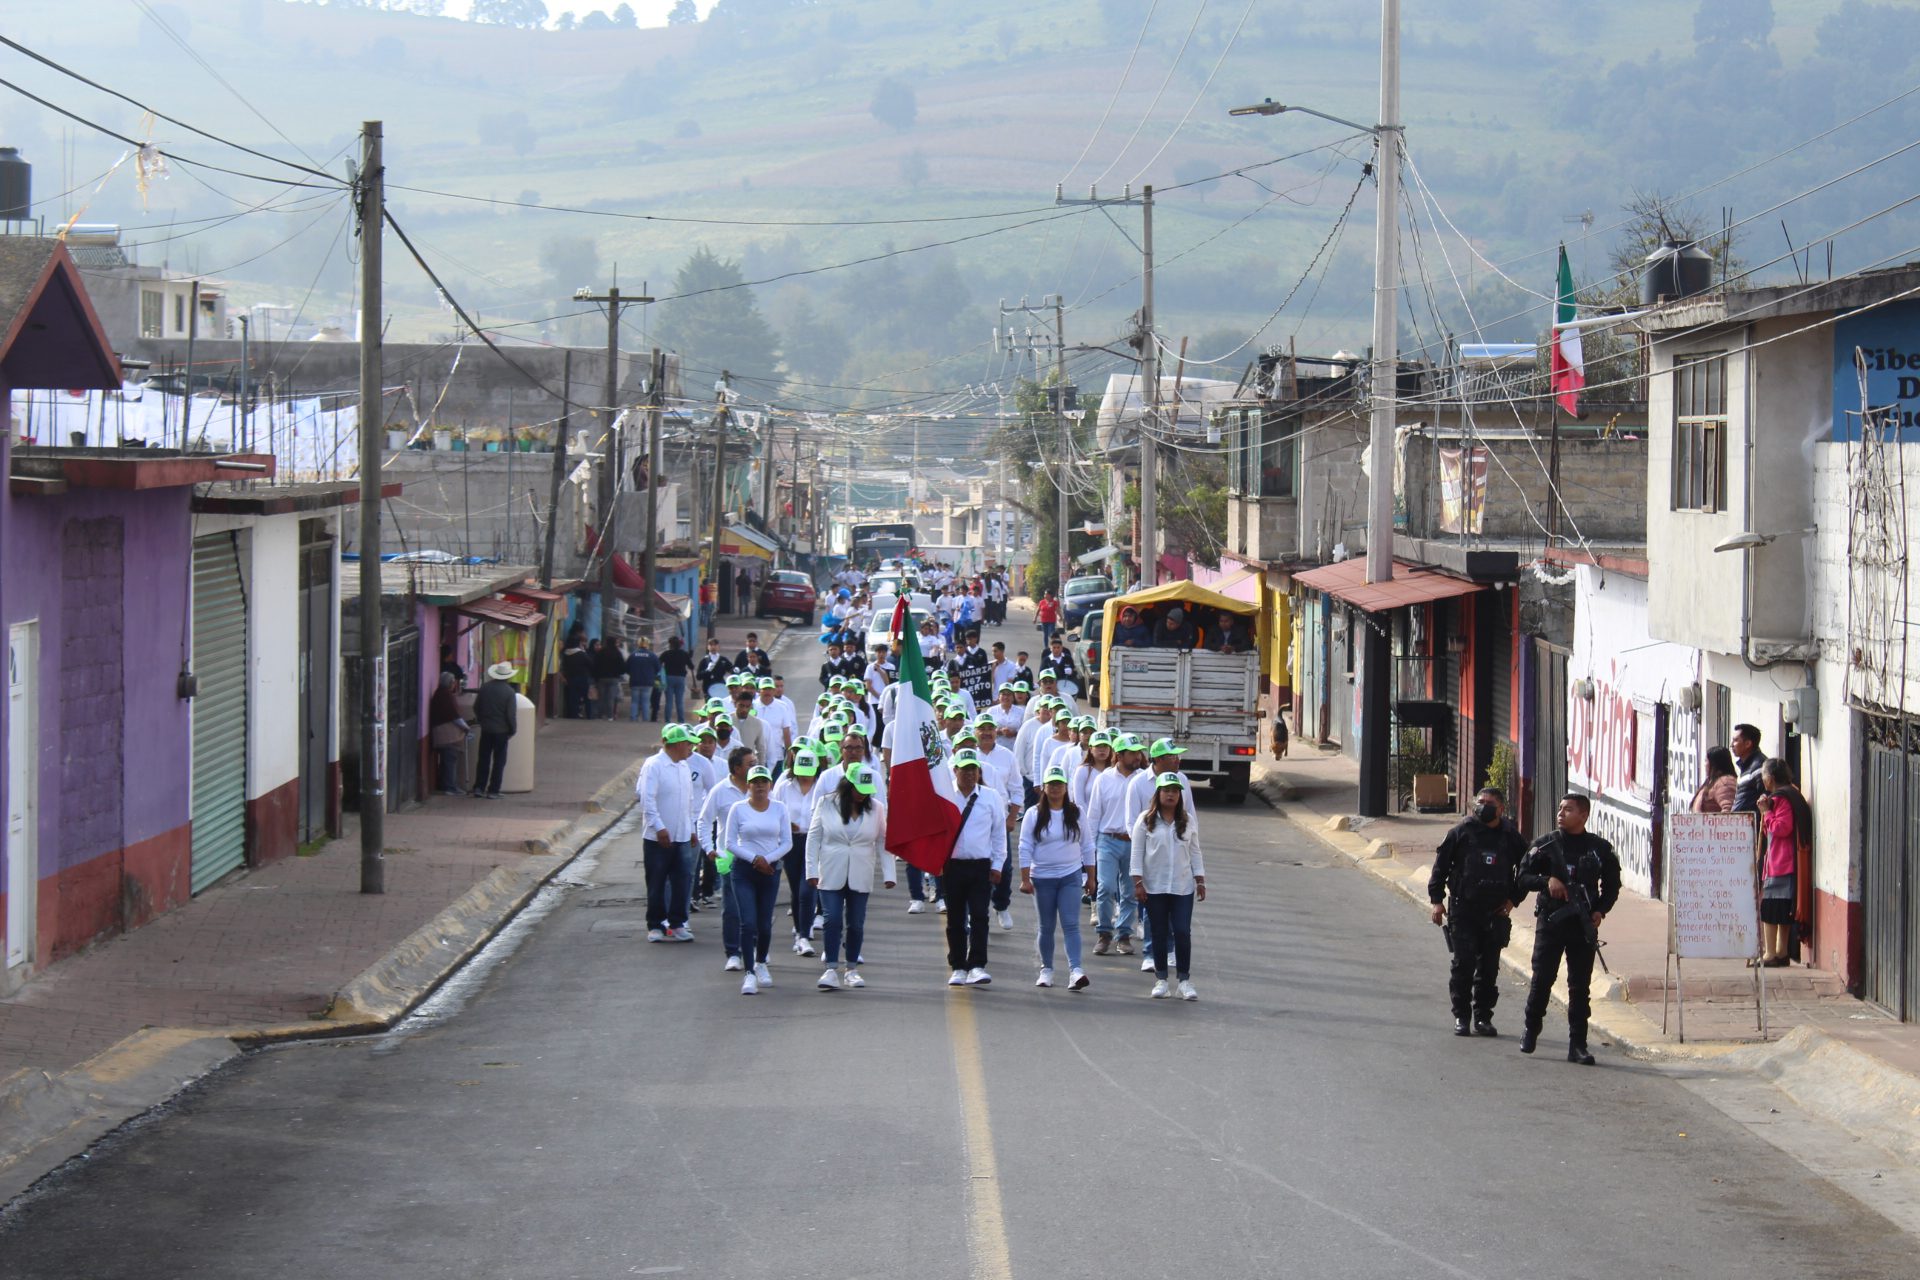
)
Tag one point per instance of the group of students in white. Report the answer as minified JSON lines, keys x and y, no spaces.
{"x":1070,"y":813}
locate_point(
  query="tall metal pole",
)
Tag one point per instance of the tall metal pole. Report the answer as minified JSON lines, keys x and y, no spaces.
{"x":244,"y":426}
{"x":719,"y":500}
{"x":1150,"y":405}
{"x":1060,"y":420}
{"x":537,"y":675}
{"x":656,"y":414}
{"x":373,"y":649}
{"x":1376,"y":747}
{"x":609,"y":460}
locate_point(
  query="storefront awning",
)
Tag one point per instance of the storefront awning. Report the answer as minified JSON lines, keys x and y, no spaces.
{"x":737,"y":540}
{"x":504,"y":612}
{"x":1410,"y":585}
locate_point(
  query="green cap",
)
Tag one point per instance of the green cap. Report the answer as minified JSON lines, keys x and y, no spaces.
{"x":705,"y":733}
{"x":1021,"y":686}
{"x":737,"y":679}
{"x":674,"y":733}
{"x":1055,"y":774}
{"x":863,"y":778}
{"x":1165,"y":747}
{"x":855,"y":731}
{"x":1168,"y":780}
{"x":833,"y":733}
{"x":1132,"y":743}
{"x":759,"y":773}
{"x":1046,"y":673}
{"x":806,"y":764}
{"x":726,"y":720}
{"x":985,"y":720}
{"x":966,"y":759}
{"x":764,"y":682}
{"x":1083,"y":722}
{"x":966,"y":735}
{"x":1100,"y":738}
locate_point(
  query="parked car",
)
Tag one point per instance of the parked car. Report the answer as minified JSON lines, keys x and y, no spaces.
{"x":1083,"y":596}
{"x":788,"y":593}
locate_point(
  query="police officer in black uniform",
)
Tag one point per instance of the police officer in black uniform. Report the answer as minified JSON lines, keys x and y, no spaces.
{"x":1577,"y":875}
{"x":1477,"y":864}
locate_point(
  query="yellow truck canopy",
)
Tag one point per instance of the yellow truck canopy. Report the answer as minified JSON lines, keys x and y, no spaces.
{"x":1181,"y":592}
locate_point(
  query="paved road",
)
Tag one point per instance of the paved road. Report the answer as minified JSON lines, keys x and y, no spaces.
{"x":600,"y":1107}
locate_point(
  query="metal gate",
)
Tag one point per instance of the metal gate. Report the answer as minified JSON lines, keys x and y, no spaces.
{"x":403,"y":720}
{"x":1890,"y":866}
{"x":219,"y":709}
{"x":1550,"y":734}
{"x":317,"y":667}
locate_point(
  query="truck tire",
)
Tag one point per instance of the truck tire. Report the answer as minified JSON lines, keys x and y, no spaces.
{"x":1234,"y":783}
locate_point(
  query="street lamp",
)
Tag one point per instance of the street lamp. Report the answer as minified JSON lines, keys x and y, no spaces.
{"x":1375,"y":671}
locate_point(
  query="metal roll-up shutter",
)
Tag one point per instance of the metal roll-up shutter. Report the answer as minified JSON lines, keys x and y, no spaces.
{"x":219,"y":710}
{"x":1502,"y":660}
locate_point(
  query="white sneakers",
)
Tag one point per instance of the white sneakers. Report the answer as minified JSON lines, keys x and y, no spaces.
{"x":819,"y":923}
{"x":959,"y":978}
{"x":1046,"y":978}
{"x":656,"y":935}
{"x":763,"y":974}
{"x":1006,"y":920}
{"x":749,"y":987}
{"x":1160,"y":990}
{"x":915,"y":907}
{"x":1146,"y":965}
{"x":940,"y":905}
{"x":1187,"y":992}
{"x":734,"y":965}
{"x":978,"y":977}
{"x":854,"y":979}
{"x":1078,"y":981}
{"x":830,"y":980}
{"x":801,"y":947}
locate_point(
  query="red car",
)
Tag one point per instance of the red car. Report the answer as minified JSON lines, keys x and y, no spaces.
{"x":788,"y":593}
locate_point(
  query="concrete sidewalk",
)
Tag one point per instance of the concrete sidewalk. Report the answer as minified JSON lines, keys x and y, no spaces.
{"x":295,"y":950}
{"x":1833,"y":1053}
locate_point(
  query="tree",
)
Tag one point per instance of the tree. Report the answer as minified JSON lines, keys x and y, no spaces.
{"x":623,"y":16}
{"x":1733,"y":22}
{"x":714,"y":323}
{"x":510,"y":13}
{"x":913,"y":167}
{"x":564,"y":22}
{"x":596,"y":21}
{"x":815,"y":347}
{"x":683,"y":12}
{"x":894,"y":105}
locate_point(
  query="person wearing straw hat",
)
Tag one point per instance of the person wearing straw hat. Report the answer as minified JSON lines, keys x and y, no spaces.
{"x":846,"y":854}
{"x":1056,"y":866}
{"x":972,"y":868}
{"x":1168,"y":876}
{"x":665,"y":791}
{"x":795,"y":790}
{"x":757,"y":836}
{"x":496,"y":709}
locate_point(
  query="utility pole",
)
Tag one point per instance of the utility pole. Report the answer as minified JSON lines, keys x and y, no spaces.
{"x":244,"y":428}
{"x":766,"y":469}
{"x":537,"y":677}
{"x":656,"y":419}
{"x":719,"y":498}
{"x":373,"y":647}
{"x":608,"y":466}
{"x":1060,"y":422}
{"x":1150,"y":406}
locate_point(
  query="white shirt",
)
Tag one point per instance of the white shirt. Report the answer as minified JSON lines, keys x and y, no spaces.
{"x":706,"y":771}
{"x":713,"y":814}
{"x":665,"y":789}
{"x":1081,"y":780}
{"x":1054,"y":853}
{"x":1006,"y":774}
{"x":1005,"y":673}
{"x":984,"y":834}
{"x":800,"y":804}
{"x":1052,"y":753}
{"x":876,"y":678}
{"x":1031,"y":734}
{"x":849,"y":855}
{"x":890,"y":700}
{"x":1166,"y":862}
{"x":1009,"y":719}
{"x":1140,"y":795}
{"x":758,"y":833}
{"x":778,"y":720}
{"x":1107,"y":807}
{"x":823,"y":790}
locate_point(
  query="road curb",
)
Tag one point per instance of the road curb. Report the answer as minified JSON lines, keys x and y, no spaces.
{"x":1823,"y":1074}
{"x":47,"y":1118}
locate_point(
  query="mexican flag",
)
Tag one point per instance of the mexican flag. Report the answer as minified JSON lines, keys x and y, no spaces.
{"x":1569,"y":366}
{"x":923,"y":812}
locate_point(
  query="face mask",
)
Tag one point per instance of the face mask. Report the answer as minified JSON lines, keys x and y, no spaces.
{"x":1487,"y":812}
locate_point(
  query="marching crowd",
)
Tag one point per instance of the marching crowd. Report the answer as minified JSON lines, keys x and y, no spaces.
{"x":741,"y":797}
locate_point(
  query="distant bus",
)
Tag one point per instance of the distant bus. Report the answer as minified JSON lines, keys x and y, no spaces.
{"x":869,"y":542}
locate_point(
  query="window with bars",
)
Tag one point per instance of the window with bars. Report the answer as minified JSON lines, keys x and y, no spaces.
{"x":1700,"y":432}
{"x":153,"y":313}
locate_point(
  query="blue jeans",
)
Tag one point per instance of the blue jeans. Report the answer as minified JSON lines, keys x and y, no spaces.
{"x":1170,"y":915}
{"x":852,"y":904}
{"x":917,"y":882}
{"x":1058,"y":899}
{"x":729,"y":916}
{"x":1116,"y":885}
{"x":676,"y":698}
{"x":668,"y":867}
{"x":799,"y":893}
{"x":1046,"y":637}
{"x":755,"y":895}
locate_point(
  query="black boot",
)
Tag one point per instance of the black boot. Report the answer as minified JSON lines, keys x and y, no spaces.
{"x":1577,"y":1052}
{"x":1529,"y":1039}
{"x":1483,"y":1026}
{"x":1460,"y":1027}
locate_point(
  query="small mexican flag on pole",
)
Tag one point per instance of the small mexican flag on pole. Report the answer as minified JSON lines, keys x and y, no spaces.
{"x":923,"y":814}
{"x":1568,"y":364}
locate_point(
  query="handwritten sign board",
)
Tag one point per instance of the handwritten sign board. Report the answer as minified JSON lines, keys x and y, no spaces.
{"x":1715,"y":914}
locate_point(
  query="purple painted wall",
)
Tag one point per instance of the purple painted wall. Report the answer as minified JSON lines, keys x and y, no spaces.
{"x":154,"y":571}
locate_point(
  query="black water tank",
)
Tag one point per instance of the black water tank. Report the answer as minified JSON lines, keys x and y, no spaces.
{"x":1675,"y":271}
{"x":16,"y":186}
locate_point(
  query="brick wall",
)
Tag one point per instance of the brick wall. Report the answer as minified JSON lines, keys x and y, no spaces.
{"x":92,"y":687}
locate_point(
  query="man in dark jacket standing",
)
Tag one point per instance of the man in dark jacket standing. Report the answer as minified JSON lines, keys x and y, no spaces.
{"x":1577,"y":875}
{"x":710,"y":674}
{"x":1477,"y":865}
{"x":1748,"y":761}
{"x":576,"y":677}
{"x":496,"y":709}
{"x":643,"y":680}
{"x":609,"y":673}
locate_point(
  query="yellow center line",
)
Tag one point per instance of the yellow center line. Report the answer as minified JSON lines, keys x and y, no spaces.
{"x":986,"y":1221}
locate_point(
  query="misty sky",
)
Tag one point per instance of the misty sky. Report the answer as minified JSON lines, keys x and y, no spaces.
{"x":652,"y":13}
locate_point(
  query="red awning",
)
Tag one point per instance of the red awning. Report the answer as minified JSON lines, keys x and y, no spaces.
{"x":506,"y":613}
{"x":526,"y":592}
{"x":1410,"y":584}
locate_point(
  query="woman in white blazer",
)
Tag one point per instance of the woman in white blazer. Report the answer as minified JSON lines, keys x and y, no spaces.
{"x":1168,"y":875}
{"x":846,"y":853}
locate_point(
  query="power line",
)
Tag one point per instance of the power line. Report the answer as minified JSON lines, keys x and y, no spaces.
{"x":1207,"y":84}
{"x":1152,"y":106}
{"x":1117,"y":88}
